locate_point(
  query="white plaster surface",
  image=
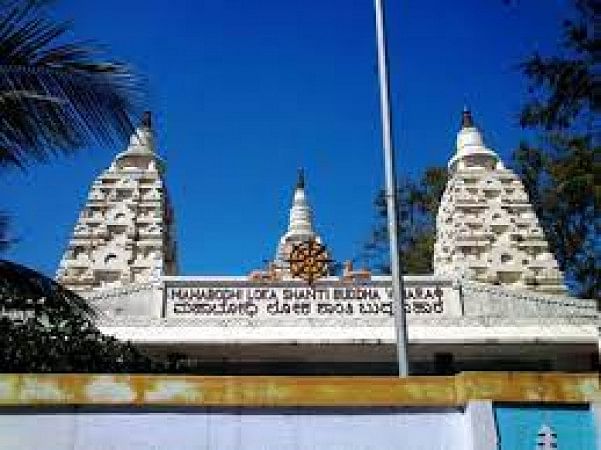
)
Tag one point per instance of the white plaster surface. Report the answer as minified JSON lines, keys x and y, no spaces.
{"x":596,"y":409}
{"x":482,"y":433}
{"x":472,"y":313}
{"x":107,"y":389}
{"x":237,"y":430}
{"x":585,"y":334}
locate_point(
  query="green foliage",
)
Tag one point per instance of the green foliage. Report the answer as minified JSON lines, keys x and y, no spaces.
{"x":69,"y":346}
{"x":47,"y":328}
{"x":417,"y":204}
{"x":559,"y":172}
{"x":56,"y":95}
{"x":565,"y":89}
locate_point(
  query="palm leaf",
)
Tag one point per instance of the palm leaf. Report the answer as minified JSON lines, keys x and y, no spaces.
{"x":22,"y":288}
{"x":57,"y":96}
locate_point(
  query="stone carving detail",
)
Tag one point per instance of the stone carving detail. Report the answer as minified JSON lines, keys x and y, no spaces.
{"x":486,"y":228}
{"x":485,"y":300}
{"x":124,"y":233}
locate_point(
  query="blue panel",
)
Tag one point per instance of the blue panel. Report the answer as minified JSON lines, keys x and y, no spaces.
{"x":518,"y":427}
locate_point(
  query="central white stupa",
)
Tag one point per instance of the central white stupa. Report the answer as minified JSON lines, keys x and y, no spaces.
{"x":300,"y":225}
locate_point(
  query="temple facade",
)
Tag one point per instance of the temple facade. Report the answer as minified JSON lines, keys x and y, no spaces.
{"x":496,"y":300}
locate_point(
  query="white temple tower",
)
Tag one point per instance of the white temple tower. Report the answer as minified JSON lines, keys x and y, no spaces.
{"x":124,"y":233}
{"x":300,"y":227}
{"x":486,"y":228}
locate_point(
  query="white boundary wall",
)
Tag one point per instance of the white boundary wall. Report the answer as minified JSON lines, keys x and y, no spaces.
{"x":239,"y":430}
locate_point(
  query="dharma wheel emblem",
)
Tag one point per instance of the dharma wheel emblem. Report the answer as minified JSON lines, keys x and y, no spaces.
{"x":309,"y":260}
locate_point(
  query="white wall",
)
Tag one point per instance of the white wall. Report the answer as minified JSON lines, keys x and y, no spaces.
{"x":188,"y":430}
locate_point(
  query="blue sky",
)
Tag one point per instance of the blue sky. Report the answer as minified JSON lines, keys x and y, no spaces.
{"x":245,"y":92}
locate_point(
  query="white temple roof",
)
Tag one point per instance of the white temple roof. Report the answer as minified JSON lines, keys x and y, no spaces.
{"x":470,"y":145}
{"x":486,"y":228}
{"x":142,"y":140}
{"x":124,"y":233}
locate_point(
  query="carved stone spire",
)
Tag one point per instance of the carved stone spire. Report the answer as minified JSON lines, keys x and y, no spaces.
{"x":486,"y":228}
{"x":124,"y":233}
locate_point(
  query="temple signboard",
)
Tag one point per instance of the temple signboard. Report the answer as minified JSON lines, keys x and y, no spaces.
{"x":333,"y":299}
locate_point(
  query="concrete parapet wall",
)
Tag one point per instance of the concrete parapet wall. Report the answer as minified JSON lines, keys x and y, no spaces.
{"x":30,"y":390}
{"x":470,"y":411}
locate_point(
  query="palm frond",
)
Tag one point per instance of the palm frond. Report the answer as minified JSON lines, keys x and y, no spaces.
{"x":57,"y":96}
{"x":22,"y":288}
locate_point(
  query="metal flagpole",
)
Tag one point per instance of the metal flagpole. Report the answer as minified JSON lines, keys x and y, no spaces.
{"x":391,"y":194}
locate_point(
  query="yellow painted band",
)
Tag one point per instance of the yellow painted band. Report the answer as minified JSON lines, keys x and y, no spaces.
{"x":271,"y":391}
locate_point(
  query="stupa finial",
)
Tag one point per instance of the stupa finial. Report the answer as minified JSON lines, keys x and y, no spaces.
{"x":467,"y":121}
{"x":146,"y":120}
{"x":300,"y":183}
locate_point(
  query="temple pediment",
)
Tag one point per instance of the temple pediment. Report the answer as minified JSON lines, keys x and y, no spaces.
{"x":247,"y":302}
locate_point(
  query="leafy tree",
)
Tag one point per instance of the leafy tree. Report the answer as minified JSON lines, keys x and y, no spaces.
{"x":417,"y":205}
{"x":56,"y":95}
{"x":47,"y":328}
{"x":559,"y":172}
